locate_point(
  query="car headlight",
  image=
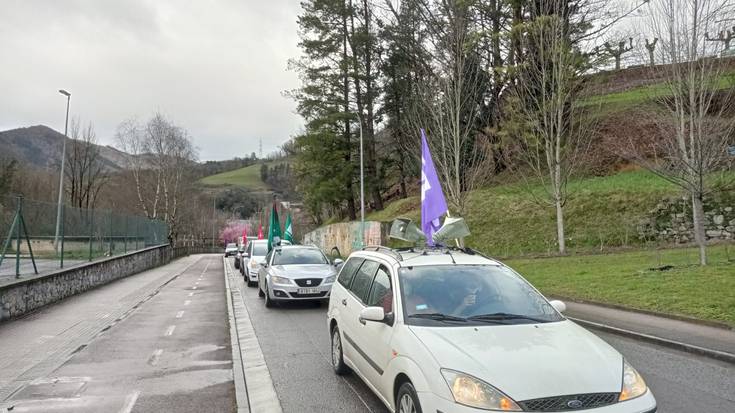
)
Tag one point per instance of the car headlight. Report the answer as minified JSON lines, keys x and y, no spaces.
{"x":330,"y":279}
{"x":279,"y":280}
{"x":633,"y":384}
{"x":473,"y":392}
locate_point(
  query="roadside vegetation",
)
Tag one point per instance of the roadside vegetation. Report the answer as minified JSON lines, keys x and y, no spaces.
{"x":668,"y":281}
{"x":247,"y":177}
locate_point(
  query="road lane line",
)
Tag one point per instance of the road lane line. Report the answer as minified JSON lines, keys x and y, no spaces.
{"x":187,"y":302}
{"x":153,"y":359}
{"x":170,"y":330}
{"x":130,"y":402}
{"x":180,"y":314}
{"x":194,"y":287}
{"x":191,"y":294}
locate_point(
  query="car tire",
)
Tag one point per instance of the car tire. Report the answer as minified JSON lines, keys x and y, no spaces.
{"x":250,"y":283}
{"x":261,"y":294}
{"x":268,"y":302}
{"x":338,"y":362}
{"x":407,"y":401}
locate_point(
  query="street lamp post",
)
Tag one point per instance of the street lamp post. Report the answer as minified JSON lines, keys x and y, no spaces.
{"x":61,"y":175}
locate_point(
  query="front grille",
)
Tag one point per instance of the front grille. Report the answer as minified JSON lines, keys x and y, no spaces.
{"x":318,"y":295}
{"x":567,"y":403}
{"x":304,"y":282}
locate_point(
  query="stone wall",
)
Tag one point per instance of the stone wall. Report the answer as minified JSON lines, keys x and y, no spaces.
{"x":25,"y":295}
{"x":345,"y":236}
{"x":671,"y":220}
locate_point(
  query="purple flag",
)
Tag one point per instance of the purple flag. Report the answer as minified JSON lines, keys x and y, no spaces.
{"x":433,"y":204}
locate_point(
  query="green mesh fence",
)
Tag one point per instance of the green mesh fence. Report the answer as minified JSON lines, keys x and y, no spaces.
{"x":83,"y":235}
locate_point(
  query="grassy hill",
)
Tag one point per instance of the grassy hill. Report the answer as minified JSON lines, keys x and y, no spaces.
{"x":508,"y":220}
{"x":247,"y":177}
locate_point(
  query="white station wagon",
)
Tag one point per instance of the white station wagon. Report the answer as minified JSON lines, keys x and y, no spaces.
{"x":450,"y":331}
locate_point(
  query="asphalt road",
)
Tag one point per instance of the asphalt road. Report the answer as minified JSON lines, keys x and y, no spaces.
{"x":153,"y":342}
{"x":295,"y":344}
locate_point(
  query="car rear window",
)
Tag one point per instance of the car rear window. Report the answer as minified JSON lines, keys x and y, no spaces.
{"x":364,"y":279}
{"x":347,"y":273}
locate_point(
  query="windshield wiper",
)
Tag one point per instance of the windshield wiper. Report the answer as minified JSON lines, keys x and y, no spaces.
{"x":438,"y":317}
{"x":504,"y":316}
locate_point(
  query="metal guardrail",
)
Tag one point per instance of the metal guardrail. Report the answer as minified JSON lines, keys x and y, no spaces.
{"x":29,"y":235}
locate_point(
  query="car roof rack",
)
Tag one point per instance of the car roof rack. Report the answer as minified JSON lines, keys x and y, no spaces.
{"x":380,"y":248}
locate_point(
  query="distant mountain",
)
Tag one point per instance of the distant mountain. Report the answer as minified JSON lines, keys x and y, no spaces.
{"x":40,"y":146}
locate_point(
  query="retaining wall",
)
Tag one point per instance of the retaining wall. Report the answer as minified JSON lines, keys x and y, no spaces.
{"x":345,"y":236}
{"x":25,"y":295}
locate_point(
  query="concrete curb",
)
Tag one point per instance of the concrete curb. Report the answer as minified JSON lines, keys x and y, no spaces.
{"x":258,"y":385}
{"x":676,"y":345}
{"x":676,"y":317}
{"x":238,"y":368}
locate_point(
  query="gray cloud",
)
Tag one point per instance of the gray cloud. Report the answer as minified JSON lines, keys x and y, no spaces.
{"x":215,"y":67}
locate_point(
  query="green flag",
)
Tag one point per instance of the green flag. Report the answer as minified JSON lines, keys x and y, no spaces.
{"x":274,"y":229}
{"x":288,"y":230}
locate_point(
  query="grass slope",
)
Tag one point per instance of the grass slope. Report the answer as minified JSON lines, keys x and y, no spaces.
{"x":248,"y":177}
{"x":508,"y":221}
{"x":629,"y":279}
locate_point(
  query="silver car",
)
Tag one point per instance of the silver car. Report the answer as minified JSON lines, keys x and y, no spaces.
{"x":253,"y":256}
{"x":296,"y":272}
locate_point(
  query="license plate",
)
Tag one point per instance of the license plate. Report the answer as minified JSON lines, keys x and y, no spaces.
{"x":308,"y":291}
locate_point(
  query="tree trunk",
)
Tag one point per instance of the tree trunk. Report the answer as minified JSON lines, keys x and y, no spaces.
{"x":560,"y":227}
{"x":350,"y":197}
{"x":699,"y":232}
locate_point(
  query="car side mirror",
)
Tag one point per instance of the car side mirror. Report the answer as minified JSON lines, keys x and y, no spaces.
{"x":338,"y":262}
{"x":372,"y":314}
{"x":558,"y":305}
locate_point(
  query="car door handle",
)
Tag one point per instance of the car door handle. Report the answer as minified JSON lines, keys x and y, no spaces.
{"x":344,"y":301}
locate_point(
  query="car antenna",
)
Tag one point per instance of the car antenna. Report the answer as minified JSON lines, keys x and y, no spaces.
{"x":449,"y":252}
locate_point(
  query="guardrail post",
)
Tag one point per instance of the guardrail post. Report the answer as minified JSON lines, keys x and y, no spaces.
{"x":125,"y":234}
{"x":19,"y":211}
{"x":111,"y":244}
{"x":90,"y":212}
{"x":9,"y":239}
{"x":63,"y":218}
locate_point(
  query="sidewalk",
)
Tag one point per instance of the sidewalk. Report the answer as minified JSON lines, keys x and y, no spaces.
{"x":685,"y":335}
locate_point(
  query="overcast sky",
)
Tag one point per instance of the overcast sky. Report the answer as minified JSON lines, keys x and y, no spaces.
{"x":215,"y":67}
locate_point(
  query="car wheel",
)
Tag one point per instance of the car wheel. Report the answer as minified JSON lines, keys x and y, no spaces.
{"x":261,"y":294}
{"x":407,"y":401}
{"x":338,"y":363}
{"x":268,"y":302}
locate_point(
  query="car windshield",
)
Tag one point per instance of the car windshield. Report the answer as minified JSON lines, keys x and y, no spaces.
{"x":296,"y":256}
{"x":260,"y":249}
{"x":455,"y":295}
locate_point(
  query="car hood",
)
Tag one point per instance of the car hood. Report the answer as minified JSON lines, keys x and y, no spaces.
{"x":304,"y":271}
{"x":528,"y":361}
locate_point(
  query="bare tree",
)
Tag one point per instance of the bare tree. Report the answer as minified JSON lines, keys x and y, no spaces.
{"x":619,"y":50}
{"x":724,"y":36}
{"x":651,"y":47}
{"x":85,"y":173}
{"x":162,"y":155}
{"x":697,"y":129}
{"x":554,"y":130}
{"x":446,"y":104}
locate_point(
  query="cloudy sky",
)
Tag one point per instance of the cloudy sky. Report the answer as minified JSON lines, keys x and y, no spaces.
{"x":215,"y":67}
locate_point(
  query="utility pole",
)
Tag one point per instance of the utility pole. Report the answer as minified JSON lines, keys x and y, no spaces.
{"x":61,"y":175}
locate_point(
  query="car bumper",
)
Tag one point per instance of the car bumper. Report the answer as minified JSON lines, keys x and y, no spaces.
{"x":431,"y":403}
{"x":291,"y":292}
{"x":251,"y":275}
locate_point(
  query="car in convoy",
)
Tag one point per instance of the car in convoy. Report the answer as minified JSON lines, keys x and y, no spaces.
{"x":238,"y":257}
{"x":230,"y":249}
{"x":449,"y":330}
{"x":295,"y":272}
{"x":255,"y":254}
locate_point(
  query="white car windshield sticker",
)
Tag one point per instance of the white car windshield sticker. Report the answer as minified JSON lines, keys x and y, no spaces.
{"x":422,"y":307}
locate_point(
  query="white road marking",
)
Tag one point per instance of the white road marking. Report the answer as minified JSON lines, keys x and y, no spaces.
{"x":170,"y":330}
{"x":129,"y":402}
{"x":187,"y":302}
{"x":194,"y":287}
{"x":105,"y":316}
{"x":180,"y":314}
{"x":196,"y":283}
{"x":153,"y":359}
{"x":191,"y":294}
